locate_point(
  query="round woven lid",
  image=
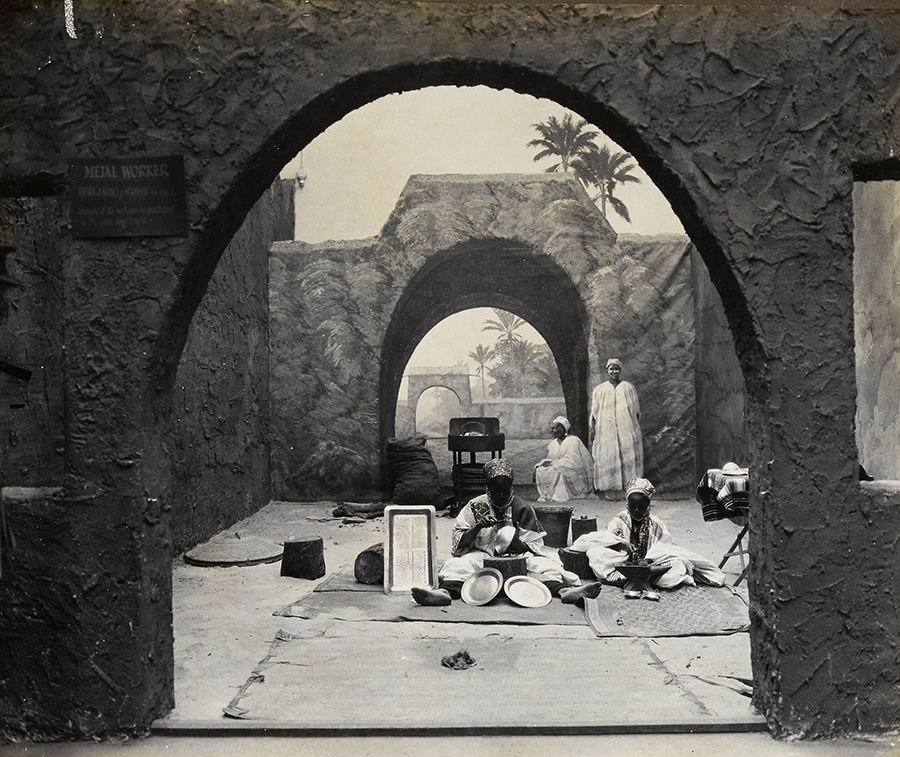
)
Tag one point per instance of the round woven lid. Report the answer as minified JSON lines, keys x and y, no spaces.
{"x":225,"y":550}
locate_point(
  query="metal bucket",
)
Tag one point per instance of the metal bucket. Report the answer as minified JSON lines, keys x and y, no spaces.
{"x":583,"y":525}
{"x":555,"y":520}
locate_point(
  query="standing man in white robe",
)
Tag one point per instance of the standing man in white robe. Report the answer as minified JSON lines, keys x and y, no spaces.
{"x":567,"y":471}
{"x":616,"y":441}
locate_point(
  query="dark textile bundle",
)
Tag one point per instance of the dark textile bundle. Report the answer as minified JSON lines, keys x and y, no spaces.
{"x":413,"y":472}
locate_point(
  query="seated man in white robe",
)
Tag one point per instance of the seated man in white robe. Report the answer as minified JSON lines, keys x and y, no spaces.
{"x":640,"y":544}
{"x":567,"y":471}
{"x":501,"y":523}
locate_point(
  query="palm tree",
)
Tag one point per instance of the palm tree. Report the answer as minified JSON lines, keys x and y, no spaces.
{"x":506,"y":323}
{"x":482,"y":355}
{"x":605,"y":169}
{"x":565,"y":139}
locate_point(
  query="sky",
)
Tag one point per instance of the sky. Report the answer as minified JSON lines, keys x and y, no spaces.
{"x":356,"y":169}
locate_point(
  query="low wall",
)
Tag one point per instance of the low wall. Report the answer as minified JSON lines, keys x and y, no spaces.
{"x":522,"y":417}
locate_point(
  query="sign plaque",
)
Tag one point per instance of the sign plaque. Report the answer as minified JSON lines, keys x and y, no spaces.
{"x":128,"y":197}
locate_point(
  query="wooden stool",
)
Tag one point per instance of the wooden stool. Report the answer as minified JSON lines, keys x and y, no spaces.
{"x":577,"y":562}
{"x":738,"y":549}
{"x":303,"y":558}
{"x":508,"y":565}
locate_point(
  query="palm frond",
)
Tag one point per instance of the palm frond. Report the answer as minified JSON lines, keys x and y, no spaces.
{"x":565,"y":139}
{"x":619,"y":207}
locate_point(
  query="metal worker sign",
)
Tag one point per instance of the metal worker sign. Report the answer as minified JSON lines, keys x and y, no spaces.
{"x":128,"y":197}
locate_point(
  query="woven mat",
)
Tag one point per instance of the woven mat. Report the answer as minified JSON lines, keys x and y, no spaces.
{"x":686,"y":611}
{"x":375,"y":678}
{"x":376,"y":605}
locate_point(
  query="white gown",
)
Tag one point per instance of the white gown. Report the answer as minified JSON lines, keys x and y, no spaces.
{"x":570,"y":473}
{"x":618,"y":448}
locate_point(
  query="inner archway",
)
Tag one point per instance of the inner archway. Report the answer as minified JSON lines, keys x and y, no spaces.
{"x":435,"y":407}
{"x":490,"y":275}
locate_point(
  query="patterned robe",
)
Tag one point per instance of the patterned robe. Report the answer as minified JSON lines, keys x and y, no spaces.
{"x":545,"y":565}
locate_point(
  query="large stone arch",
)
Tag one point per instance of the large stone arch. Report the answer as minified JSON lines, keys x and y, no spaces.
{"x":458,"y":383}
{"x":462,"y":278}
{"x":750,"y":121}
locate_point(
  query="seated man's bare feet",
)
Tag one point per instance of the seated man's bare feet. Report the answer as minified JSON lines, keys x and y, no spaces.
{"x":431,"y":597}
{"x":572,"y":595}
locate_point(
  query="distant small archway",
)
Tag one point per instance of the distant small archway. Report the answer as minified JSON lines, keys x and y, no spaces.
{"x":454,"y":379}
{"x":440,"y":429}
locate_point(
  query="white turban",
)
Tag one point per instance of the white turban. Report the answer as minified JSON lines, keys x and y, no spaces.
{"x":562,"y":421}
{"x":639,"y":486}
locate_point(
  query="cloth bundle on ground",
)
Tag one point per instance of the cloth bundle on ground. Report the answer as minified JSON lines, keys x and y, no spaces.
{"x":414,"y":476}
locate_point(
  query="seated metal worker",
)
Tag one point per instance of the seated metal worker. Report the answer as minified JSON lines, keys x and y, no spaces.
{"x":567,"y":472}
{"x":500,"y":523}
{"x":636,"y":551}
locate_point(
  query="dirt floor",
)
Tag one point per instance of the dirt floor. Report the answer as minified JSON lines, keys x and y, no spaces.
{"x":225,"y":627}
{"x":343,"y":686}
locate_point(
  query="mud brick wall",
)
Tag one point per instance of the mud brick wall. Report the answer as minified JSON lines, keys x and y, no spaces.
{"x":32,"y":439}
{"x":722,"y":434}
{"x":220,"y":421}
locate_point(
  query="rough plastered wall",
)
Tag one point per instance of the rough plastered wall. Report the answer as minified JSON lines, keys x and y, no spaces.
{"x":751,"y":121}
{"x":32,"y":439}
{"x":220,"y":423}
{"x":876,"y":308}
{"x":331,"y":305}
{"x":722,"y":434}
{"x":641,"y":303}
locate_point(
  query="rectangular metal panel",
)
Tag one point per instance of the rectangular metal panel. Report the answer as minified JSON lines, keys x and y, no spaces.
{"x":409,"y":547}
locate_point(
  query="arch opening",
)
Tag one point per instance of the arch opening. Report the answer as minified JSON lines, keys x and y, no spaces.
{"x":509,"y":375}
{"x":434,"y":409}
{"x":552,"y":303}
{"x":510,"y":278}
{"x":292,"y":136}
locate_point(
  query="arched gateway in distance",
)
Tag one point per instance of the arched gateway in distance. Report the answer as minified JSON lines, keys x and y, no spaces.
{"x":533,"y":244}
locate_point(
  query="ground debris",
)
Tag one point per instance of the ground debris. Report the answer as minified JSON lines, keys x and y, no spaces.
{"x":459,"y":661}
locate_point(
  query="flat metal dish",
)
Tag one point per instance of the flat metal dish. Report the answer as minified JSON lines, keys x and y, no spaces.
{"x":481,"y":587}
{"x":527,"y":591}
